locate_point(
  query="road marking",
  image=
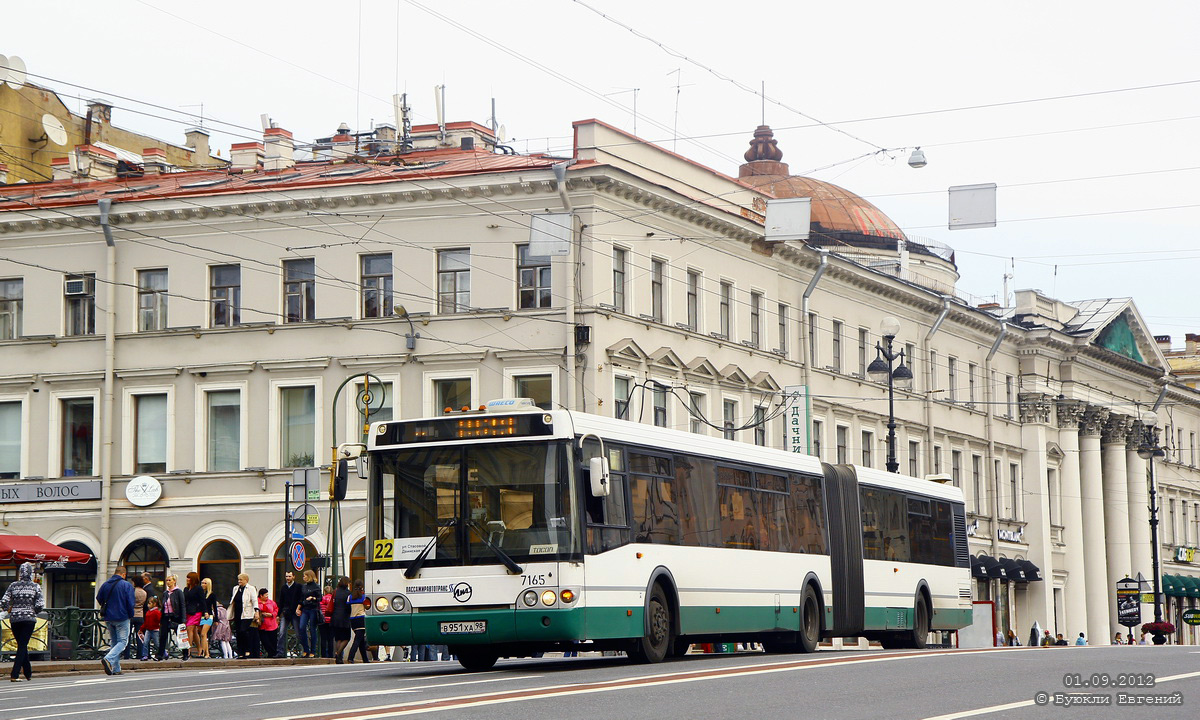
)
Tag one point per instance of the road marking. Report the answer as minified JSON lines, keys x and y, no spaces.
{"x":123,"y":708}
{"x":339,"y":696}
{"x":1027,"y":703}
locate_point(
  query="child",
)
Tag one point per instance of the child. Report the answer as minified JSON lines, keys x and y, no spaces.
{"x":150,"y":626}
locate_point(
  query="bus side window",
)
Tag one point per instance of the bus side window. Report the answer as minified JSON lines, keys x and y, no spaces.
{"x":607,"y":517}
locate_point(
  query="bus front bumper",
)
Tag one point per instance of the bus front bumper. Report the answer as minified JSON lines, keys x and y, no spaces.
{"x":504,"y":625}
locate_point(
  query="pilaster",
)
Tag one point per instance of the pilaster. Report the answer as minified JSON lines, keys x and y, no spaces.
{"x":1116,"y":513}
{"x":1091,"y":481}
{"x":1035,"y":418}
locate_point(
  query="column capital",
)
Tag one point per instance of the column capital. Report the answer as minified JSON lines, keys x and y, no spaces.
{"x":1136,"y":436}
{"x":1070,"y":412}
{"x":1093,"y":420}
{"x":1116,"y":427}
{"x":1034,"y":407}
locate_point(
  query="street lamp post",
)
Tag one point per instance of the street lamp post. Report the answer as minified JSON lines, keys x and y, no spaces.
{"x":888,"y":366}
{"x":1149,"y":450}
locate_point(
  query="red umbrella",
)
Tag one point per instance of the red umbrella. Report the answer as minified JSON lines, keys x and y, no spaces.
{"x":31,"y":548}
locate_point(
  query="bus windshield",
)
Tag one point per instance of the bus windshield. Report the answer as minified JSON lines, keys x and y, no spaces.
{"x":475,"y":503}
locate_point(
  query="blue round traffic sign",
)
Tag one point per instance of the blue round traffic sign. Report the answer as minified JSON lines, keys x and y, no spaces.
{"x":297,"y":553}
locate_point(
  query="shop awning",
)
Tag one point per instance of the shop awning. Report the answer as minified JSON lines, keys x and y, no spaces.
{"x":1189,"y":585}
{"x":1013,"y":570}
{"x":1032,"y":572}
{"x":983,"y":567}
{"x":1171,"y":586}
{"x":15,"y":549}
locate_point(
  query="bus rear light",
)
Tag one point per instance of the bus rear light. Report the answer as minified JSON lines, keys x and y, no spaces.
{"x":529,"y":597}
{"x":567,"y":596}
{"x":398,"y":603}
{"x":381,"y":604}
{"x":548,"y":598}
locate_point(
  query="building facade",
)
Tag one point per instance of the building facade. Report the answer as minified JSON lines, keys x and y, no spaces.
{"x":221,"y":339}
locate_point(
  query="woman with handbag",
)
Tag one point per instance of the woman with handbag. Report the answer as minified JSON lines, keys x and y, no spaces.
{"x":268,"y":628}
{"x":244,"y":618}
{"x":172,"y":614}
{"x":207,"y":619}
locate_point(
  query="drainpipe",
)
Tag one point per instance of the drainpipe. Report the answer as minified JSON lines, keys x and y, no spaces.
{"x":988,"y":433}
{"x":928,"y":402}
{"x":560,"y":176}
{"x":805,"y":352}
{"x":106,"y":431}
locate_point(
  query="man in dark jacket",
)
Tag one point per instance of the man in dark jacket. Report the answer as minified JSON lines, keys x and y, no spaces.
{"x":288,"y":599}
{"x":116,"y":602}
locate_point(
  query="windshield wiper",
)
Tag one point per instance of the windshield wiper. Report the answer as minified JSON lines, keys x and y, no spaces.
{"x":509,"y":563}
{"x":415,"y":566}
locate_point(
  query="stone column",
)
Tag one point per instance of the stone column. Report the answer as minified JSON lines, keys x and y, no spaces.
{"x":1035,"y":420}
{"x":1116,"y":512}
{"x":1139,"y":505}
{"x":1070,"y":412}
{"x":1091,"y":493}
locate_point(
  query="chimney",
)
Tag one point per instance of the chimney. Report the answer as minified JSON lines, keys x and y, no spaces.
{"x":95,"y":163}
{"x":279,"y":149}
{"x":61,"y":168}
{"x":1163,"y":342}
{"x":197,"y":140}
{"x":344,"y":144}
{"x":154,"y":161}
{"x":1191,"y":340}
{"x":3,"y":174}
{"x":246,"y":157}
{"x":101,"y":111}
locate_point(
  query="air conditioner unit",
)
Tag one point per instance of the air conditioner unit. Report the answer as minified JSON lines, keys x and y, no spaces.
{"x":77,"y":286}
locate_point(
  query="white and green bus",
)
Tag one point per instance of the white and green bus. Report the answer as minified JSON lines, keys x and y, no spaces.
{"x":516,"y":530}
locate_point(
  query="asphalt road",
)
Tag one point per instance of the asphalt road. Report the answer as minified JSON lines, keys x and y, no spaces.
{"x":906,"y":685}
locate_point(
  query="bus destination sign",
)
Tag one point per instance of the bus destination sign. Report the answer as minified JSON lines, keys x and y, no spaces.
{"x":466,"y":427}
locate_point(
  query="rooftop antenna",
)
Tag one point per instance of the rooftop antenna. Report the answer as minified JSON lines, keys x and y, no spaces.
{"x":403,"y":121}
{"x":763,"y":96}
{"x":635,"y":92}
{"x":439,"y":101}
{"x":678,"y":73}
{"x":201,"y":106}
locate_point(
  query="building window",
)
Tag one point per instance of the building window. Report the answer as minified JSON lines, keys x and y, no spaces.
{"x":956,"y":468}
{"x":1013,"y":492}
{"x":726,"y":300}
{"x":539,"y":388}
{"x":152,"y":300}
{"x":533,"y":279}
{"x":1192,"y":449}
{"x":1055,"y":495}
{"x":933,"y":378}
{"x":452,"y":394}
{"x":914,"y":453}
{"x":297,"y":426}
{"x":660,"y":405}
{"x":80,"y":295}
{"x":619,"y":279}
{"x":782,"y":314}
{"x":910,"y":358}
{"x":225,"y":295}
{"x":10,"y":440}
{"x":696,"y":412}
{"x":728,"y":417}
{"x":864,"y":338}
{"x":220,"y":562}
{"x":756,"y":319}
{"x":12,"y":294}
{"x":812,"y":338}
{"x":977,"y":483}
{"x":868,"y":445}
{"x":656,"y":290}
{"x":150,"y":433}
{"x":760,"y":426}
{"x":937,"y":459}
{"x":971,"y":385}
{"x":952,"y":369}
{"x":818,"y":429}
{"x":621,"y":396}
{"x":454,"y":280}
{"x":693,"y":300}
{"x":837,"y":345}
{"x":376,"y":285}
{"x":224,"y":430}
{"x":299,"y":290}
{"x":1171,"y":519}
{"x":1008,"y":396}
{"x":842,"y":444}
{"x":78,"y":426}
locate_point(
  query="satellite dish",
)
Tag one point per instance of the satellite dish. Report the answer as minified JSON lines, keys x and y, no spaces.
{"x":501,"y":134}
{"x":16,"y":73}
{"x":55,"y":131}
{"x":3,"y":68}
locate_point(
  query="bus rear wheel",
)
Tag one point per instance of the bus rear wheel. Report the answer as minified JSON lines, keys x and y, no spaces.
{"x":920,"y":631}
{"x":658,"y":641}
{"x":476,"y":658}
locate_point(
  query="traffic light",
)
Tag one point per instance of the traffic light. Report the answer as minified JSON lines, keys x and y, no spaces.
{"x":339,"y":481}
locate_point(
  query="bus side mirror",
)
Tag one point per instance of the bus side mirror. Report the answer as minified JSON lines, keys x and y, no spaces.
{"x":598,"y":476}
{"x":361,"y":465}
{"x":341,"y":477}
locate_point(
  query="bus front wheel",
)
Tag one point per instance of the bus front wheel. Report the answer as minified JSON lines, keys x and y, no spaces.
{"x":809,"y":636}
{"x":476,"y":658}
{"x":654,"y":646}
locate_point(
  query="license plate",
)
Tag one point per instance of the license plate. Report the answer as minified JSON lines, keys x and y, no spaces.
{"x":474,"y":627}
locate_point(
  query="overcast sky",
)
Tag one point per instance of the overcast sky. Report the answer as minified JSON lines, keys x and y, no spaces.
{"x":1098,"y":195}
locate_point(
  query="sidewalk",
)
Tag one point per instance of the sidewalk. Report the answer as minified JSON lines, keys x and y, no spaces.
{"x":59,"y":668}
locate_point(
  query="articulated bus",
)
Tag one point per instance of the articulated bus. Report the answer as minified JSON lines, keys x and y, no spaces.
{"x":515,"y":530}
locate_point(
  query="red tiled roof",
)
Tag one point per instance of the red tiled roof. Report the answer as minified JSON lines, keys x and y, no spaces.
{"x":200,"y":183}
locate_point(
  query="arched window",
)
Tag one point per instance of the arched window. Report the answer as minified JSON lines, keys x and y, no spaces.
{"x":358,"y":561}
{"x":73,"y":585}
{"x":283,"y":564}
{"x":221,"y":563}
{"x":146,"y":555}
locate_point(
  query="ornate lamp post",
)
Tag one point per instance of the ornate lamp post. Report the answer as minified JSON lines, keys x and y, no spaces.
{"x":1149,"y":450}
{"x":888,"y":366}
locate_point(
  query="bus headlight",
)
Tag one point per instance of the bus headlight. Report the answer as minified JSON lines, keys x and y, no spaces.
{"x":381,"y":604}
{"x":529,"y":597}
{"x":398,"y":603}
{"x":548,"y":598}
{"x":567,"y":596}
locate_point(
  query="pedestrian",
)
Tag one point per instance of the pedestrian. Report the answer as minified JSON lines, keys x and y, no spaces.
{"x":358,"y":621}
{"x":339,"y":618}
{"x":325,"y":631}
{"x":172,"y":614}
{"x":1060,"y":641}
{"x":999,"y":638}
{"x":116,"y":609}
{"x":134,"y":651}
{"x":1047,"y":641}
{"x":193,"y":612}
{"x":243,"y":617}
{"x":151,"y":626}
{"x":268,"y":626}
{"x":1130,"y":639}
{"x":1081,"y":640}
{"x":221,"y":632}
{"x":288,"y":599}
{"x":207,"y":619}
{"x":1013,"y":640}
{"x":151,"y":589}
{"x":1142,"y":640}
{"x":309,"y":613}
{"x":23,"y":601}
{"x":1118,"y":640}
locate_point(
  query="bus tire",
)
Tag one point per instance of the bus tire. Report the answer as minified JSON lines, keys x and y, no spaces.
{"x":659,"y":640}
{"x":472,"y":658}
{"x":809,"y":636}
{"x":920,"y":631}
